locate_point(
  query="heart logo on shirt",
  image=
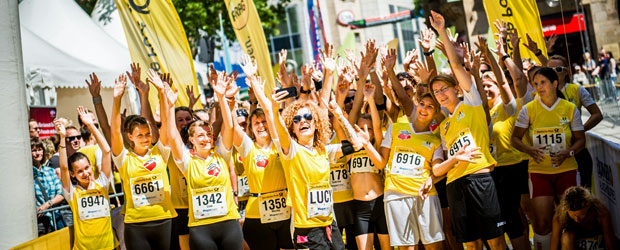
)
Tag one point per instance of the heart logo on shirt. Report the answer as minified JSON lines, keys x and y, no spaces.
{"x":150,"y":164}
{"x":239,"y":158}
{"x":261,"y":161}
{"x":213,"y":170}
{"x":404,"y":135}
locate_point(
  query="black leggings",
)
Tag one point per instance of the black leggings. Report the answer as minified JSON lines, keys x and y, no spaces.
{"x":222,"y":235}
{"x":274,"y":235}
{"x":148,"y":235}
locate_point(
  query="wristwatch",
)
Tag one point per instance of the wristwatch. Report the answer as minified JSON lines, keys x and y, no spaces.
{"x":571,"y":153}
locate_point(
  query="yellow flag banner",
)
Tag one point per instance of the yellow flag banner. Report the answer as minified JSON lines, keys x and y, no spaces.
{"x":522,"y":15}
{"x":157,"y":40}
{"x":250,"y":34}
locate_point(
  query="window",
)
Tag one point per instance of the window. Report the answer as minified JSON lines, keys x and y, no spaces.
{"x":288,"y":38}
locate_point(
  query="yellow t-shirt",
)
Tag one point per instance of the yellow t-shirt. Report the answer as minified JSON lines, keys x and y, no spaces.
{"x":462,"y":127}
{"x":210,"y":190}
{"x":307,"y":178}
{"x":146,"y":185}
{"x":243,"y":190}
{"x":92,"y":224}
{"x":264,"y":172}
{"x":571,"y":92}
{"x":501,"y":147}
{"x":410,"y":160}
{"x":549,"y":127}
{"x":178,"y":185}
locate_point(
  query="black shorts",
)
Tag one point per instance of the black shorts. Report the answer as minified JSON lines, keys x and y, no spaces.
{"x":474,"y":208}
{"x":222,"y":235}
{"x":179,"y":227}
{"x":369,"y":217}
{"x":148,"y":235}
{"x":267,"y":236}
{"x":318,"y":238}
{"x":509,"y":197}
{"x":440,"y":186}
{"x":524,"y":177}
{"x":344,"y":213}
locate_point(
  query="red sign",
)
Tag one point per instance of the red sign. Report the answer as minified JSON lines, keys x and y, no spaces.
{"x":45,"y":117}
{"x":559,"y":26}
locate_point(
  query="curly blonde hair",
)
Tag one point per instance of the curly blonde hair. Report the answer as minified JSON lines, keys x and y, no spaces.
{"x":576,"y":198}
{"x":319,"y":116}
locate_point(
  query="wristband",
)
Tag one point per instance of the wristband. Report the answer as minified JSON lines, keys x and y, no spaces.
{"x":346,"y":147}
{"x":382,"y":106}
{"x":301,"y":90}
{"x":429,"y":53}
{"x":61,"y":146}
{"x":504,"y":57}
{"x":538,"y":53}
{"x":50,"y":202}
{"x":97,"y":100}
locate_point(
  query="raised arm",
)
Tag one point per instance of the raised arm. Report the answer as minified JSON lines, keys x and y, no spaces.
{"x":160,"y":85}
{"x":106,"y":163}
{"x":219,"y":87}
{"x":94,"y":87}
{"x":193,"y":99}
{"x":329,"y":65}
{"x":463,"y":78}
{"x":369,"y":90}
{"x":145,"y":104}
{"x":117,"y":138}
{"x":350,"y":132}
{"x":389,"y":61}
{"x":363,"y":69}
{"x":65,"y":177}
{"x":504,"y":88}
{"x":533,"y":46}
{"x":378,"y":158}
{"x":515,"y":66}
{"x":172,"y":133}
{"x":427,"y":43}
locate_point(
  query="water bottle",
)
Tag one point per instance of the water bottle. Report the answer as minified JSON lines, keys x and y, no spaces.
{"x":554,"y":149}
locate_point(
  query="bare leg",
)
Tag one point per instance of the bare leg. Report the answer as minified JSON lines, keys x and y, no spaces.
{"x":384,"y":239}
{"x":474,"y":245}
{"x":450,"y":242}
{"x":184,"y":241}
{"x":497,"y":243}
{"x":434,"y":246}
{"x":364,"y":241}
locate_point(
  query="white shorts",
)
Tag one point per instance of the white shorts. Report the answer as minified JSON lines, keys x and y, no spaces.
{"x":411,"y":220}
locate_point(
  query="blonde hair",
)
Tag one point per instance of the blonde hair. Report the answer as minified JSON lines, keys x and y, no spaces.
{"x":576,"y":198}
{"x":320,"y":118}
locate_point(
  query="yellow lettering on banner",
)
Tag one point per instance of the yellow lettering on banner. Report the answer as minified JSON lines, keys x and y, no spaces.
{"x":249,"y":32}
{"x":522,"y":15}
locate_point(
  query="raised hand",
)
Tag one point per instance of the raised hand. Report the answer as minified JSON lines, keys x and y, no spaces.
{"x":282,"y":75}
{"x":94,"y":86}
{"x":551,"y":41}
{"x":327,"y":58}
{"x":154,"y":79}
{"x":171,"y":96}
{"x":531,"y":45}
{"x":59,"y":125}
{"x":475,"y":66}
{"x":134,"y":77}
{"x":502,"y":28}
{"x":390,"y":58}
{"x":86,"y":119}
{"x":249,"y":66}
{"x":119,"y":86}
{"x":500,"y":51}
{"x":428,"y":39}
{"x":514,"y":38}
{"x":219,"y":84}
{"x":306,"y":77}
{"x":482,"y":45}
{"x":369,"y":91}
{"x":441,"y":47}
{"x":407,"y":61}
{"x":166,"y":78}
{"x":190,"y":94}
{"x":422,"y":71}
{"x":437,"y":21}
{"x":333,"y":107}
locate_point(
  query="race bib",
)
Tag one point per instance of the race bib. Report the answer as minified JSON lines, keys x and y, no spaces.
{"x":464,"y":138}
{"x":92,"y":204}
{"x":592,"y":243}
{"x":319,"y":199}
{"x":339,"y":178}
{"x":272,"y":207}
{"x":209,"y":202}
{"x":242,"y":186}
{"x":360,"y":163}
{"x":553,"y":139}
{"x":147,"y":190}
{"x":406,"y":162}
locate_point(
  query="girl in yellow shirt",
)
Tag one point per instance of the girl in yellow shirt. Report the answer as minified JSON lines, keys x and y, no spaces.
{"x":212,"y":204}
{"x":88,"y":198}
{"x":143,"y":169}
{"x":472,"y":196}
{"x":555,"y":133}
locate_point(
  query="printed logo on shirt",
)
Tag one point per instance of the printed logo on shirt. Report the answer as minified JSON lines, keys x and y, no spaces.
{"x":404,"y":135}
{"x":564,"y":120}
{"x":427,"y":144}
{"x":150,"y":164}
{"x":460,"y":116}
{"x":213,"y":169}
{"x":445,"y":127}
{"x":239,"y":158}
{"x":261,"y":161}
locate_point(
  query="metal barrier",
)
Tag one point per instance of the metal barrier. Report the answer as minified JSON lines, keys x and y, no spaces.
{"x":65,"y":207}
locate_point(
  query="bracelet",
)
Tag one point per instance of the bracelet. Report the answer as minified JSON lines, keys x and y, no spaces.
{"x":429,"y":53}
{"x":50,"y":202}
{"x":301,"y":90}
{"x":61,"y":146}
{"x":97,"y":100}
{"x":504,"y":57}
{"x":538,"y":53}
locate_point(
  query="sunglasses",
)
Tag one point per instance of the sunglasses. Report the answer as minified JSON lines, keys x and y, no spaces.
{"x":559,"y":69}
{"x":297,"y":118}
{"x":73,"y":138}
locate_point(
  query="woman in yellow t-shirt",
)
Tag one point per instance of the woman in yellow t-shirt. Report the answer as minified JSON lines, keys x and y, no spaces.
{"x":472,"y":196}
{"x":407,"y":152}
{"x":554,"y":134}
{"x":143,"y":169}
{"x":88,"y":198}
{"x":212,"y":205}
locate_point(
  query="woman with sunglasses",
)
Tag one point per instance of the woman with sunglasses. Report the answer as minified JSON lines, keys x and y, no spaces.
{"x":87,"y":195}
{"x":579,"y":96}
{"x":267,"y":216}
{"x":412,"y":206}
{"x":472,"y":197}
{"x":554,"y":133}
{"x":143,"y":169}
{"x":209,"y":173}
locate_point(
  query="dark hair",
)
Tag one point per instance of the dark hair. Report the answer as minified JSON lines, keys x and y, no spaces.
{"x":133,"y":121}
{"x":566,"y":65}
{"x":55,"y":139}
{"x":255,"y":113}
{"x":85,"y":132}
{"x":76,"y":157}
{"x":611,"y":55}
{"x":552,"y":76}
{"x":36,"y":143}
{"x":448,"y":79}
{"x":182,"y":108}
